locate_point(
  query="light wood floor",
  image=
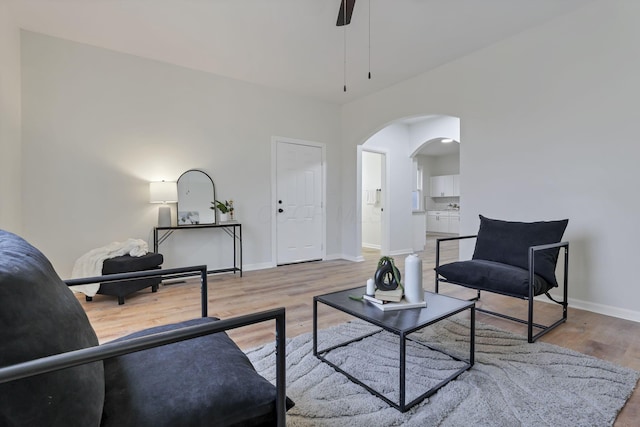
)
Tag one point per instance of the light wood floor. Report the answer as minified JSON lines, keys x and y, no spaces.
{"x":294,"y":286}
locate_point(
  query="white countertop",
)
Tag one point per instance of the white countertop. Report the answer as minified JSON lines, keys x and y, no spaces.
{"x":447,"y":212}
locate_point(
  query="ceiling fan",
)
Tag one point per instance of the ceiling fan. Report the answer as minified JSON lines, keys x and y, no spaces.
{"x":344,"y":19}
{"x":344,"y":14}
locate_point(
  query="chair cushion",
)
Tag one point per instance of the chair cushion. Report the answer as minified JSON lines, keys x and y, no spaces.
{"x":127,"y":263}
{"x":206,"y":381}
{"x":40,"y":316}
{"x":493,"y":276}
{"x":508,"y":242}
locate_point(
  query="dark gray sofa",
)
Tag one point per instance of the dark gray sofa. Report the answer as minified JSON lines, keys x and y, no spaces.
{"x":512,"y":258}
{"x":54,"y":373}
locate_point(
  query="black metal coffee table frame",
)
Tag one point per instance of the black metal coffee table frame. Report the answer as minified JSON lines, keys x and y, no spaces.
{"x":401,"y":323}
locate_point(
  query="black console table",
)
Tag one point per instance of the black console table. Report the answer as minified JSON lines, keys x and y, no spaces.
{"x":233,"y":229}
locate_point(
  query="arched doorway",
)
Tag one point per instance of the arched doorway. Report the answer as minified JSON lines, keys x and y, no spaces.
{"x":401,"y":141}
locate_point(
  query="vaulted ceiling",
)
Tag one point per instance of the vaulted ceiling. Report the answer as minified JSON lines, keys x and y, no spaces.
{"x":293,"y":45}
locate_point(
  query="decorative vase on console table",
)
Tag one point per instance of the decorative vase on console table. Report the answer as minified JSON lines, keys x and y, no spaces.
{"x":225,"y":209}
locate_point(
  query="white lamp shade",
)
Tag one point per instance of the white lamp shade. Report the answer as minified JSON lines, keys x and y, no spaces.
{"x":163,"y":192}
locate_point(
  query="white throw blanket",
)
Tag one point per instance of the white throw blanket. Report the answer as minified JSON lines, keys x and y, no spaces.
{"x":90,"y":264}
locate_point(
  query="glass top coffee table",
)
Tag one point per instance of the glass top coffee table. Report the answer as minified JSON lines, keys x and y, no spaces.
{"x":401,"y":323}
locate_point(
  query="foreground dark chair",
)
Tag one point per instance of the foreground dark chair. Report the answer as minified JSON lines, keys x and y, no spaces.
{"x":54,"y":373}
{"x":516,"y":259}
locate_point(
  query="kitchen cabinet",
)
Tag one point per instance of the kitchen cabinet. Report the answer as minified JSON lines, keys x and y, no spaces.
{"x":454,"y":223}
{"x":441,"y":186}
{"x":443,"y":222}
{"x":444,"y":186}
{"x":437,"y":222}
{"x":456,"y":185}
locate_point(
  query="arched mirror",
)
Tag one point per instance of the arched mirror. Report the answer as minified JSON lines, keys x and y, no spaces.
{"x":195,"y":194}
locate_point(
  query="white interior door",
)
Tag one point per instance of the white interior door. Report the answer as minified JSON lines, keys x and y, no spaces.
{"x":377,"y":169}
{"x":372,"y":208}
{"x":299,"y":202}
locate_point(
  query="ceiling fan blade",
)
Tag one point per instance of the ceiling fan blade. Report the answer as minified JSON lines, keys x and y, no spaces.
{"x":344,"y":14}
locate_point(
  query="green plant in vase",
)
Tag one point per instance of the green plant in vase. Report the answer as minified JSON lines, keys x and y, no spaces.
{"x":225,"y":208}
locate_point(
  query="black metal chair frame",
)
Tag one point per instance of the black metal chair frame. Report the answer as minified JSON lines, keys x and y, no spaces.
{"x":87,"y":355}
{"x":529,"y":321}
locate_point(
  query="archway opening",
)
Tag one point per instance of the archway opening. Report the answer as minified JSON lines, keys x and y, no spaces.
{"x":411,"y":148}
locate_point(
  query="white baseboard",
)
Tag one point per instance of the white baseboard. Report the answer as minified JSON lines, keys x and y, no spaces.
{"x":359,"y":258}
{"x":259,"y":266}
{"x":607,"y":310}
{"x":401,"y":252}
{"x":371,"y":246}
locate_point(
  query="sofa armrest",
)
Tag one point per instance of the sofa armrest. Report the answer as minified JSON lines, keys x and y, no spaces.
{"x":87,"y":355}
{"x":538,"y":248}
{"x":168,"y":273}
{"x":549,"y":246}
{"x":446,"y":239}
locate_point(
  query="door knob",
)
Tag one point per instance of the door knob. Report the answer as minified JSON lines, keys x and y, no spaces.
{"x":280,"y":210}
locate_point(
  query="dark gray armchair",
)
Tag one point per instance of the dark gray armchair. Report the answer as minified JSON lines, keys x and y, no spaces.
{"x":54,"y":373}
{"x":516,"y":259}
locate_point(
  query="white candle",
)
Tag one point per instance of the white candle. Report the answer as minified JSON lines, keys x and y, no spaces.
{"x":371,"y":287}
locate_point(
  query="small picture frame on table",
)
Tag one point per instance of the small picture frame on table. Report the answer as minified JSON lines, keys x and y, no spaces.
{"x":188,"y":218}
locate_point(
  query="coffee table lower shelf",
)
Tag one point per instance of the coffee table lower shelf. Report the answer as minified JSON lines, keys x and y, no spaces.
{"x":376,"y":317}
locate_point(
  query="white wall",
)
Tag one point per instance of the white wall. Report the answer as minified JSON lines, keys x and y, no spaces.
{"x":394,"y":141}
{"x":445,"y":165}
{"x":549,"y":130}
{"x":99,"y":125}
{"x":10,"y":151}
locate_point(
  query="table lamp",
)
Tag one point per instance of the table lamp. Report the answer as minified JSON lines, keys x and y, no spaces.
{"x":163,"y":192}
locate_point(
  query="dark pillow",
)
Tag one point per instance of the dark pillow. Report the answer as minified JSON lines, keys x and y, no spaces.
{"x":508,"y":242}
{"x":39,"y":317}
{"x":206,"y":381}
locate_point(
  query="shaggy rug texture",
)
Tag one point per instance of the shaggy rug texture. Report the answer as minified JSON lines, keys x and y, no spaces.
{"x":512,"y":383}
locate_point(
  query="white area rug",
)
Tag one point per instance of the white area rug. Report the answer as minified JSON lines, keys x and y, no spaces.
{"x":512,"y":383}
